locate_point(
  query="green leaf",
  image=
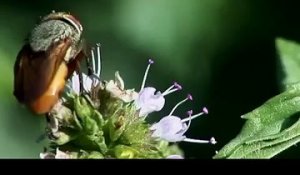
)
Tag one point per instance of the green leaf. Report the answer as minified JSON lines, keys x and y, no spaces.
{"x":289,"y":55}
{"x":265,"y":133}
{"x":95,"y":141}
{"x":86,"y":114}
{"x":125,"y":152}
{"x":95,"y":155}
{"x":119,"y":121}
{"x":65,"y":137}
{"x":116,"y":124}
{"x":82,"y":154}
{"x":136,"y":133}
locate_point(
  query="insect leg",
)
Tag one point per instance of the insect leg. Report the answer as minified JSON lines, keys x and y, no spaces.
{"x":89,"y":66}
{"x":78,"y":71}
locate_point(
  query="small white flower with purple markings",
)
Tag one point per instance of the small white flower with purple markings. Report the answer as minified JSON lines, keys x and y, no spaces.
{"x":149,"y":100}
{"x":172,"y":129}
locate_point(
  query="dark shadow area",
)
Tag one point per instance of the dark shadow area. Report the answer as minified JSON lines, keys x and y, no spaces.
{"x":290,"y":121}
{"x":249,"y":76}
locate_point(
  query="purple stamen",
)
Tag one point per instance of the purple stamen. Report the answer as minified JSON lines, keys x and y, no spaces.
{"x":177,"y":86}
{"x":190,"y":97}
{"x":190,"y":112}
{"x":191,"y":117}
{"x":205,"y":110}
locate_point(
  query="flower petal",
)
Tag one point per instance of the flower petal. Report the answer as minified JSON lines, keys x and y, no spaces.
{"x":149,"y":102}
{"x":174,"y":156}
{"x":87,"y":82}
{"x":75,"y":85}
{"x":46,"y":155}
{"x":169,"y":128}
{"x":116,"y":90}
{"x":61,"y":155}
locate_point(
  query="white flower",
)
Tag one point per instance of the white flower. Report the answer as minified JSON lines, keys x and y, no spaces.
{"x":47,"y":155}
{"x":169,"y":128}
{"x":116,"y":89}
{"x":172,"y":129}
{"x":148,"y":100}
{"x":59,"y":155}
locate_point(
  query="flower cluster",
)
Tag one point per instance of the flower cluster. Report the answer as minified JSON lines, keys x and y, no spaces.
{"x":105,"y":120}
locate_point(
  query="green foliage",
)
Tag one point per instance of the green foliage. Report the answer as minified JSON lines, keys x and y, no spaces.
{"x":289,"y":54}
{"x":274,"y":126}
{"x":89,"y":132}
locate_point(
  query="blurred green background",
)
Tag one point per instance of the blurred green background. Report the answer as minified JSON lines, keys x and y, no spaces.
{"x":220,"y":51}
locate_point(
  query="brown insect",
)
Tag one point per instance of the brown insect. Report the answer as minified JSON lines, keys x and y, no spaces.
{"x":51,"y":53}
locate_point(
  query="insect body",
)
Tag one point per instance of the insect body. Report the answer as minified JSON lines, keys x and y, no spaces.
{"x":49,"y":56}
